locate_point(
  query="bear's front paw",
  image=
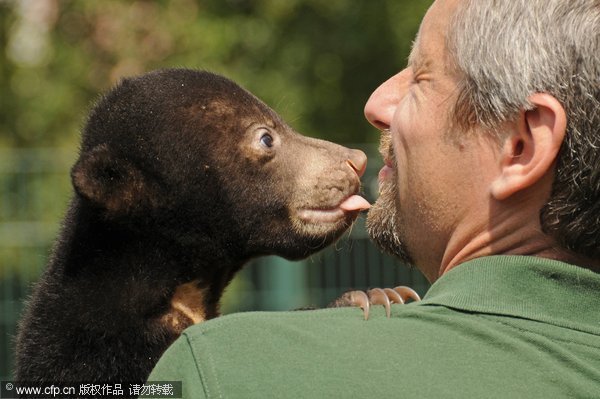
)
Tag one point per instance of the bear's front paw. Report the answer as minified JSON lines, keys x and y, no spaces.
{"x":376,"y":296}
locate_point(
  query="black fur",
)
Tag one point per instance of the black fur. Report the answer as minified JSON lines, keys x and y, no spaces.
{"x":173,"y":185}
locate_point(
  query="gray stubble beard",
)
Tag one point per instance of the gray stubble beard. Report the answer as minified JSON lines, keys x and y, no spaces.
{"x":383,"y":222}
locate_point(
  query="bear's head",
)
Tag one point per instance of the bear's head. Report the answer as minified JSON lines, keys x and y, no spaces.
{"x":192,"y":156}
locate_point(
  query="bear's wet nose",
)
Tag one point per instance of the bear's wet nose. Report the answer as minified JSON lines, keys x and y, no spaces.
{"x":357,"y":160}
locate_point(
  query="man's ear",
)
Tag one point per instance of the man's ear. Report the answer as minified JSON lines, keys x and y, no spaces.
{"x":110,"y":182}
{"x":530,"y":151}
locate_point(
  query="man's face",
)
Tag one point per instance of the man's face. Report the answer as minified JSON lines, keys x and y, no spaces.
{"x":432,"y":176}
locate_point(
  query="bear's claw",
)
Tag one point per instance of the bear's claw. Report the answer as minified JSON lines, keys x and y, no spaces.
{"x":377,"y":296}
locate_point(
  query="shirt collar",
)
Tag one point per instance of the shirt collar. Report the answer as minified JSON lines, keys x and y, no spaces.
{"x":522,"y":286}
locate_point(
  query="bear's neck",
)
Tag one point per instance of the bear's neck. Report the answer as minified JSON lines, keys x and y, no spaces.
{"x":131,"y":265}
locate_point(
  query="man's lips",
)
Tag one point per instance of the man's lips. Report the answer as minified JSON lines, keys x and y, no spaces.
{"x":387,"y":170}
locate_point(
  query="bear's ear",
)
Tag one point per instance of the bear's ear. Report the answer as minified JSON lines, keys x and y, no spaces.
{"x":110,"y":182}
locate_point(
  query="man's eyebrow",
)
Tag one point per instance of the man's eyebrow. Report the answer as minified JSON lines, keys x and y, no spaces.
{"x":415,"y":59}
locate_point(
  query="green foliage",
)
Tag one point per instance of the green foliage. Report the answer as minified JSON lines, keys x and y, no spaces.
{"x":314,"y":61}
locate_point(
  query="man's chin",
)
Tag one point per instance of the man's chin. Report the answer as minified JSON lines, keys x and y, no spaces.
{"x":383,"y":227}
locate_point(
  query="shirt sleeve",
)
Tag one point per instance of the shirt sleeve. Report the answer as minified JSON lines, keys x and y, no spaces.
{"x":178,"y":364}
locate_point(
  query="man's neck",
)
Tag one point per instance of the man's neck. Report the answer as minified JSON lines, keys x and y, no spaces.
{"x":507,"y":233}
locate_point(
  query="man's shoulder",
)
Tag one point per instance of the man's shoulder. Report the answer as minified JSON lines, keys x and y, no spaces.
{"x":315,"y":353}
{"x":490,"y":320}
{"x":341,"y":314}
{"x":428,"y":349}
{"x":319,"y":323}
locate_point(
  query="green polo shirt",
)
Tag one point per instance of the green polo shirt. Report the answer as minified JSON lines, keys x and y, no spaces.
{"x":495,"y":327}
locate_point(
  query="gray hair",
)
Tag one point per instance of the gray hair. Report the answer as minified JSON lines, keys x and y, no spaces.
{"x":506,"y":50}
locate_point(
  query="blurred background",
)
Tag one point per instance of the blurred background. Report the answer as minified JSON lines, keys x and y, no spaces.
{"x":313,"y":61}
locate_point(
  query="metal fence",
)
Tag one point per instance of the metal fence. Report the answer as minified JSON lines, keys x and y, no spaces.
{"x":35,"y":189}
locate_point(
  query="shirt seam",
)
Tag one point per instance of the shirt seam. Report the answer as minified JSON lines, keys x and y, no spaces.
{"x":201,"y":374}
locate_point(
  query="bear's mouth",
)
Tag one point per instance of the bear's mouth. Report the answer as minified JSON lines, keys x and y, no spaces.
{"x":350,"y":206}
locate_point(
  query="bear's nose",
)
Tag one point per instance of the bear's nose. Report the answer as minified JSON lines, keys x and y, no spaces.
{"x":357,"y":160}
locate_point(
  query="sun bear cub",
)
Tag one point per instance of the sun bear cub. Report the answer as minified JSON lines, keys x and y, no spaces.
{"x":182,"y":177}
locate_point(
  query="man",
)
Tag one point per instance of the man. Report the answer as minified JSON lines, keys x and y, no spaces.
{"x":491,"y":186}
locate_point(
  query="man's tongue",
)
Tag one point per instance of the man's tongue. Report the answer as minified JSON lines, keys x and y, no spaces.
{"x":355,"y":203}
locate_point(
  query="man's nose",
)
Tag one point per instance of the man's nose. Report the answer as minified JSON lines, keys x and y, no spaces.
{"x":381,"y":106}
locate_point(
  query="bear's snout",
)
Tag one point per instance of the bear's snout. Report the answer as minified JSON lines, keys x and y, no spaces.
{"x":357,"y":160}
{"x":325,"y":201}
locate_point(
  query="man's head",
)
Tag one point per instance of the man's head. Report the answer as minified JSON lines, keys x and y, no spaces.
{"x":493,"y":132}
{"x":551,"y":46}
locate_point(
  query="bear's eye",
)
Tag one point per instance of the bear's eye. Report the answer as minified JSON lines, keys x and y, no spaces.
{"x":266,"y":140}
